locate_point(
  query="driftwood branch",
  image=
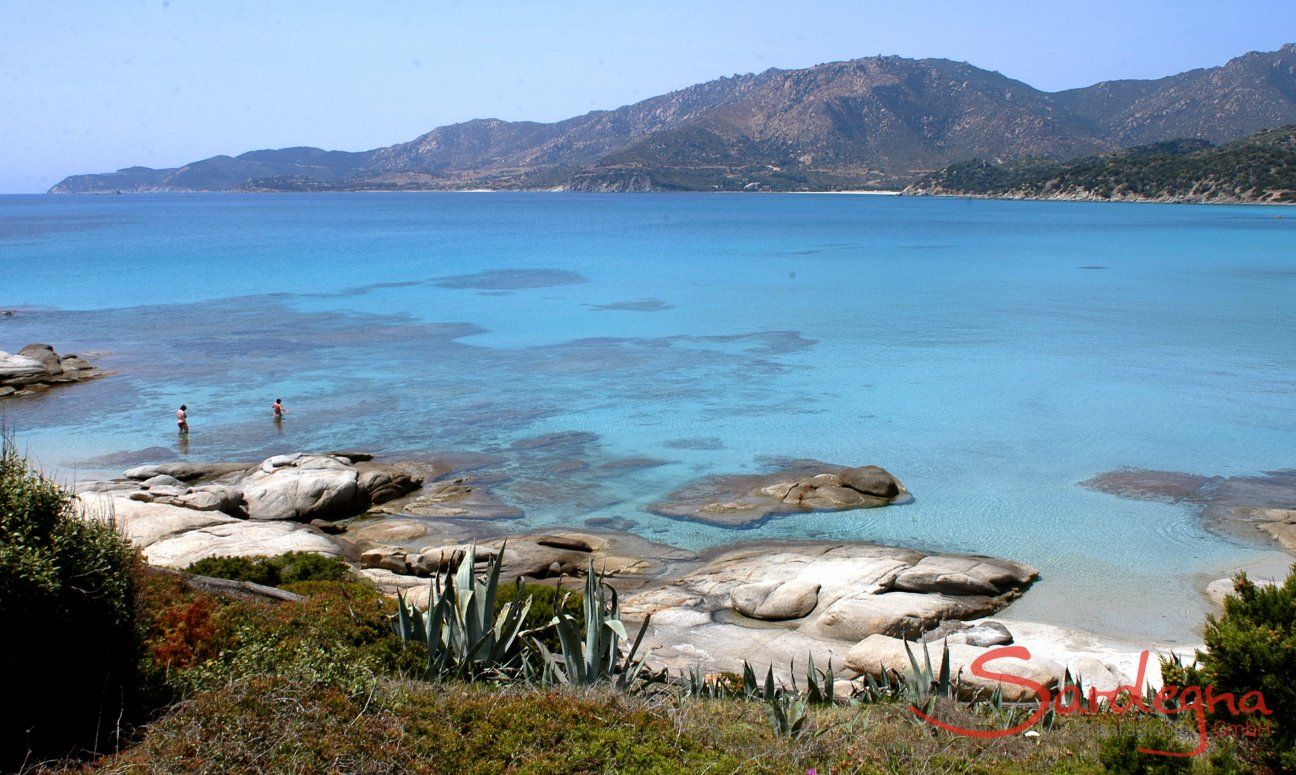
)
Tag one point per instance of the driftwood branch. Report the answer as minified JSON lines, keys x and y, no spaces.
{"x":213,"y":584}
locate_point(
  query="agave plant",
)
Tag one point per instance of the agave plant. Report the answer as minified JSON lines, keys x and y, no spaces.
{"x":593,"y":656}
{"x":720,"y":686}
{"x":819,"y":683}
{"x":464,"y":635}
{"x":877,"y":690}
{"x":786,"y":711}
{"x":697,"y":684}
{"x":924,"y":683}
{"x":751,"y":688}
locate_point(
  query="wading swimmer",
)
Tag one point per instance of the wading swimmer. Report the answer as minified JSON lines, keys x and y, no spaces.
{"x":278,"y":410}
{"x":182,"y":418}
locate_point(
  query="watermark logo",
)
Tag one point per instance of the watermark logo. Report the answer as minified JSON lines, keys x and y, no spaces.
{"x":1071,"y":701}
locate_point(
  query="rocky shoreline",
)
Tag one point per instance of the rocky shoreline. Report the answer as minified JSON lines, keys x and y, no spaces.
{"x":402,"y":523}
{"x":36,"y":368}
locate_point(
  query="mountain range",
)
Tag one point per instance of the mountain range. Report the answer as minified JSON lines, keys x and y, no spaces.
{"x":878,"y":122}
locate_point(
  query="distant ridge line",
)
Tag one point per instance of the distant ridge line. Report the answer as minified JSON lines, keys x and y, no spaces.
{"x":873,"y":123}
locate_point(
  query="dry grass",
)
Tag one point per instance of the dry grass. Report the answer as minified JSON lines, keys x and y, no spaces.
{"x":268,"y":724}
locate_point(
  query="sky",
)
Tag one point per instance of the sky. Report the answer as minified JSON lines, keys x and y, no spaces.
{"x":96,"y":86}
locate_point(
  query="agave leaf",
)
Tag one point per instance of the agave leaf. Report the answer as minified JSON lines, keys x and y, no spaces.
{"x":593,"y":615}
{"x":571,"y":654}
{"x":943,"y":682}
{"x":913,"y":663}
{"x":402,"y":623}
{"x":750,"y":686}
{"x":830,"y":682}
{"x":633,"y":668}
{"x":492,"y":582}
{"x":616,"y":626}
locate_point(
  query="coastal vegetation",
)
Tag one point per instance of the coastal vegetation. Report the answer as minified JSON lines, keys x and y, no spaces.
{"x":68,"y":601}
{"x":1252,"y":647}
{"x":337,"y":679}
{"x":1259,"y":168}
{"x":278,"y":571}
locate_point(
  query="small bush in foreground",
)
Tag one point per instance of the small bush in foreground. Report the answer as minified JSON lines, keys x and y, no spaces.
{"x":547,"y":600}
{"x":1119,"y":753}
{"x":339,"y":636}
{"x":283,"y":569}
{"x":1252,"y":647}
{"x":69,"y":652}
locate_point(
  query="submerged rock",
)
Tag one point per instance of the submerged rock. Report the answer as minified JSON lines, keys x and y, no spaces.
{"x":1251,"y":507}
{"x":460,"y":498}
{"x":746,"y":500}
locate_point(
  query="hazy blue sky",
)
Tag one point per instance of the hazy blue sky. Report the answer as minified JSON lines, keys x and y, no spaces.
{"x":94,"y":86}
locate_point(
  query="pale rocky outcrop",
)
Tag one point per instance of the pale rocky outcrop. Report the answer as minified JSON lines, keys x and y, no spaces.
{"x":37,"y":367}
{"x":184,"y":470}
{"x":146,"y":523}
{"x":983,"y":634}
{"x":175,"y":536}
{"x":241,"y":538}
{"x":1280,"y":524}
{"x":295,"y":487}
{"x":772,"y":603}
{"x":627,"y":559}
{"x":241,"y":509}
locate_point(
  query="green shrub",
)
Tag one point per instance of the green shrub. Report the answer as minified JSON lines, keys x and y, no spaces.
{"x":1119,"y":753}
{"x":339,"y":636}
{"x":1252,"y":647}
{"x":546,"y":600}
{"x":69,"y":652}
{"x":277,"y":571}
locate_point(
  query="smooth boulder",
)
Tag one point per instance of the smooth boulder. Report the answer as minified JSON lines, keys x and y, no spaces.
{"x":302,"y":489}
{"x":775,"y":601}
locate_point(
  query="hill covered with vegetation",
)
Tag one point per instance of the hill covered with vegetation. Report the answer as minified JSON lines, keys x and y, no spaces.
{"x":1260,"y":168}
{"x":876,"y":122}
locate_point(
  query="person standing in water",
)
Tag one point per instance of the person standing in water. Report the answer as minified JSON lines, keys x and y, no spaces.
{"x":182,"y":418}
{"x":278,"y":410}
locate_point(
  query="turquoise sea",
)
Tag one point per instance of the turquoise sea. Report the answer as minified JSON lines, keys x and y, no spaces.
{"x":993,"y":355}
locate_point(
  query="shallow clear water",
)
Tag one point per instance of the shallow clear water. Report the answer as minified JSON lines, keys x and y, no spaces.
{"x":991,"y":354}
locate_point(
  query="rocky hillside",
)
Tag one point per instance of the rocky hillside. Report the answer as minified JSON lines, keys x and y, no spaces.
{"x":1258,"y":168}
{"x":866,"y":123}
